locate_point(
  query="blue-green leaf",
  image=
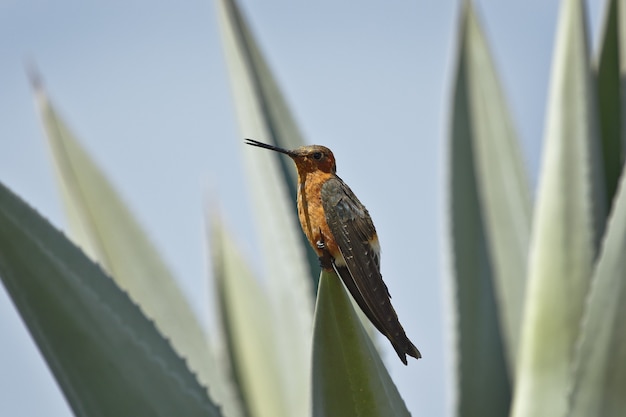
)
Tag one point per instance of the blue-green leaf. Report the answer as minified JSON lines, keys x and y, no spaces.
{"x":262,"y":115}
{"x":503,"y":190}
{"x":105,"y":228}
{"x":246,"y":320}
{"x":349,"y":378}
{"x":599,"y":370}
{"x":610,"y":97}
{"x":599,"y":375}
{"x":489,"y":223}
{"x":108,"y":359}
{"x":568,"y":222}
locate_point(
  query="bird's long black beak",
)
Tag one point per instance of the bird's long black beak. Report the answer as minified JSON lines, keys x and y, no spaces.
{"x":266,"y":146}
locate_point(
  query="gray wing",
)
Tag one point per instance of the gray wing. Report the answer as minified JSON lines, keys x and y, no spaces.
{"x":352,"y":229}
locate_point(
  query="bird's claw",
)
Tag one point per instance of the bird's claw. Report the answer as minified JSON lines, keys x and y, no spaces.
{"x":326,"y":260}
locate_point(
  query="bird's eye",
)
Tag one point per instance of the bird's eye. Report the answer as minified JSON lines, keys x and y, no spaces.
{"x":317,"y":155}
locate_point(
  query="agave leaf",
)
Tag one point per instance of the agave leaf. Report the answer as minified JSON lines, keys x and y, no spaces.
{"x":569,"y":217}
{"x":283,"y":246}
{"x":504,"y":194}
{"x":107,"y":357}
{"x":349,"y":378}
{"x":246,"y":320}
{"x":621,"y":12}
{"x":610,"y":107}
{"x":480,"y":341}
{"x":600,"y":360}
{"x":280,"y":128}
{"x":263,"y":112}
{"x":105,"y":228}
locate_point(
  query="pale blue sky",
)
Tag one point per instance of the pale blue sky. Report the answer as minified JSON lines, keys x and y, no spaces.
{"x":144,"y":85}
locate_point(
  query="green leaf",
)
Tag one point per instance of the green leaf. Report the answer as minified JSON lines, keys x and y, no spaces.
{"x":108,"y":359}
{"x":246,"y":320}
{"x":284,"y":248}
{"x":349,"y":378}
{"x":263,"y":115}
{"x":503,"y":190}
{"x":104,"y":227}
{"x":600,"y":361}
{"x":569,"y":218}
{"x":610,"y":107}
{"x":485,"y":315}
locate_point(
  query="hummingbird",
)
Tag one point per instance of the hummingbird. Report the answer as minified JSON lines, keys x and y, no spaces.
{"x":340,"y":230}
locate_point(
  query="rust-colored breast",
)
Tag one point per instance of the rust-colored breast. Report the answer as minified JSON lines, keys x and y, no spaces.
{"x":311,"y":212}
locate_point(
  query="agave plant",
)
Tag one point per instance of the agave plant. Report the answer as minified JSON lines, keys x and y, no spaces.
{"x":266,"y":370}
{"x":537,"y":286}
{"x":540,"y":291}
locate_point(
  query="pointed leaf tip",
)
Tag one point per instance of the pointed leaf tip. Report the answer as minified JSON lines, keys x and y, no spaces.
{"x":489,"y":208}
{"x":106,"y":229}
{"x":349,"y":378}
{"x":33,"y":75}
{"x":568,"y":222}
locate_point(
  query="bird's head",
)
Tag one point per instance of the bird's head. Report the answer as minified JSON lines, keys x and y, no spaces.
{"x":307,"y":158}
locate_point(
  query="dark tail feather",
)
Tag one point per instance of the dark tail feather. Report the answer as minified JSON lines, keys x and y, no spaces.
{"x":343,"y":272}
{"x":399,"y":340}
{"x":407,"y":348}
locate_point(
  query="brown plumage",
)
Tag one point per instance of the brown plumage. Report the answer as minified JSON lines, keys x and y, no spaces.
{"x":342,"y":233}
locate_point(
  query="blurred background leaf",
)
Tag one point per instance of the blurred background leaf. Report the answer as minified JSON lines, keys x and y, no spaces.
{"x":568,"y":223}
{"x":262,"y":115}
{"x":105,"y":228}
{"x":504,"y":194}
{"x":598,"y":369}
{"x":107,"y":357}
{"x":247,"y":323}
{"x":599,"y":372}
{"x":489,"y":224}
{"x":610,"y":81}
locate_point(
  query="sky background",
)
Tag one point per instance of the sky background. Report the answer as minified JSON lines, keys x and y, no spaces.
{"x":145,"y":87}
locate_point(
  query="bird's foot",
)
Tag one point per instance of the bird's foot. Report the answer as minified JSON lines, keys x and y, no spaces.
{"x":326,"y":260}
